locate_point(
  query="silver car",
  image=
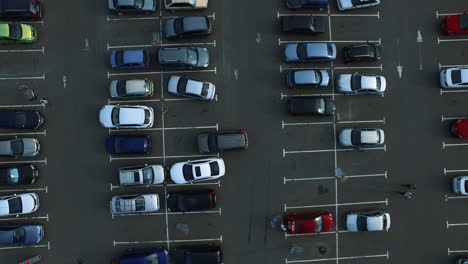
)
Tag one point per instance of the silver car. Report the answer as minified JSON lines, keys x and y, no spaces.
{"x":131,"y":88}
{"x":367,"y":221}
{"x":360,"y":84}
{"x":185,"y":4}
{"x":358,"y":137}
{"x":134,"y":204}
{"x":141,"y":175}
{"x":185,"y":87}
{"x":19,"y":147}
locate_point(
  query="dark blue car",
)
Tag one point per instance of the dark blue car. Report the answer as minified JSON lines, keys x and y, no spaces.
{"x":17,"y":234}
{"x":143,"y":256}
{"x":21,"y":119}
{"x":307,"y":4}
{"x":128,"y":144}
{"x":129,"y":59}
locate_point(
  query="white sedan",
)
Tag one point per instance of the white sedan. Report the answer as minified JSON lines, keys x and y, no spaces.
{"x":360,"y":84}
{"x":353,"y":4}
{"x":182,"y":86}
{"x":197,"y":170}
{"x":367,"y":221}
{"x":358,"y":137}
{"x":454,"y":78}
{"x":17,"y":204}
{"x":126,"y":116}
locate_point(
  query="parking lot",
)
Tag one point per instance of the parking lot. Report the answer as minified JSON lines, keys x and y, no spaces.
{"x":293,"y":164}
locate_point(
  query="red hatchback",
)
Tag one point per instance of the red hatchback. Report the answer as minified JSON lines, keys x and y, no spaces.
{"x":309,"y":223}
{"x":455,"y":24}
{"x":460,"y":128}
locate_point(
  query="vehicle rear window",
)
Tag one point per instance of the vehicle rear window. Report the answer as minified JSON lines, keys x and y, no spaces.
{"x":182,"y":85}
{"x":119,"y":58}
{"x":463,"y":22}
{"x":14,"y":175}
{"x":17,"y":147}
{"x":384,"y":219}
{"x":121,"y":87}
{"x":214,"y":167}
{"x":115,"y":115}
{"x":15,"y":205}
{"x":361,"y":223}
{"x":456,"y":76}
{"x":187,"y":172}
{"x":179,"y":25}
{"x":197,"y":171}
{"x":15,"y":31}
{"x":204,"y":90}
{"x":356,"y":137}
{"x":330,"y":50}
{"x":356,"y":82}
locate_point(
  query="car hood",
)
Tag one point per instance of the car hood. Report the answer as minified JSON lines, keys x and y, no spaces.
{"x":30,"y":202}
{"x":34,"y":234}
{"x":105,"y":116}
{"x":195,"y":87}
{"x":351,"y":223}
{"x":31,"y":147}
{"x":172,"y":83}
{"x":290,"y":53}
{"x":343,"y":82}
{"x":168,"y":28}
{"x":176,"y":173}
{"x":159,"y":174}
{"x":151,"y":202}
{"x":28,"y":32}
{"x":203,"y":59}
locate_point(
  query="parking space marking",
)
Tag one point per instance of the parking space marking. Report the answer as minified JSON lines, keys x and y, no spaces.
{"x":46,"y":217}
{"x":112,"y":187}
{"x":31,"y":246}
{"x":159,"y":157}
{"x":453,"y":144}
{"x":338,"y":258}
{"x":166,"y":128}
{"x":285,"y":180}
{"x":22,"y":50}
{"x":24,"y":161}
{"x":384,"y":148}
{"x":442,"y":91}
{"x":157,"y":72}
{"x":286,"y":235}
{"x":24,"y":78}
{"x":280,"y":42}
{"x":334,"y":67}
{"x":454,"y":171}
{"x":456,"y":251}
{"x":278,"y":15}
{"x":168,"y":213}
{"x":441,"y":66}
{"x":17,"y":106}
{"x":334,"y":205}
{"x":445,"y":14}
{"x":213,"y":43}
{"x":284,"y":124}
{"x":439,"y":40}
{"x":447,"y":197}
{"x":453,"y":118}
{"x":282,"y":96}
{"x":108,"y":18}
{"x":456,"y":224}
{"x":45,"y":189}
{"x":220,"y":239}
{"x":42,"y":133}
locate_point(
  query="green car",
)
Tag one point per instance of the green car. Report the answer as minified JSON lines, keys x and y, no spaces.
{"x":12,"y":33}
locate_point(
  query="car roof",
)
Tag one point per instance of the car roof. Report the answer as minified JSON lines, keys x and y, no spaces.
{"x":135,"y":86}
{"x":370,"y":136}
{"x":126,"y":2}
{"x":15,"y":4}
{"x":195,"y":23}
{"x":173,"y":54}
{"x":317,"y":49}
{"x":231,"y":140}
{"x":133,"y":56}
{"x":197,"y":256}
{"x":131,"y":116}
{"x":305,"y":77}
{"x":5,"y":147}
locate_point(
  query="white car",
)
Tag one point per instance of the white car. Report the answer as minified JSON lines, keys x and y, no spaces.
{"x":182,"y":86}
{"x":454,"y":78}
{"x":135,"y":203}
{"x":141,"y":175}
{"x":126,"y":116}
{"x":367,"y":221}
{"x":17,"y":204}
{"x":197,"y":170}
{"x":353,"y":4}
{"x":460,"y":185}
{"x":360,"y":84}
{"x":185,"y":4}
{"x":358,"y":137}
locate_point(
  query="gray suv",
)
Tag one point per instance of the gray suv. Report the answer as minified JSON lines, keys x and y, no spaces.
{"x":184,"y":57}
{"x":19,"y":147}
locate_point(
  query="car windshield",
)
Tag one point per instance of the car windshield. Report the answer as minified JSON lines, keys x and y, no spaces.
{"x":319,"y":224}
{"x":147,"y":87}
{"x":15,"y":205}
{"x":321,"y":105}
{"x":20,"y":118}
{"x":384,"y":219}
{"x":138,"y":3}
{"x":121,"y":87}
{"x":214,"y":167}
{"x":119,"y":58}
{"x":115,"y":115}
{"x":179,"y":25}
{"x":356,"y":82}
{"x":463,"y":22}
{"x":318,"y":77}
{"x":192,"y":57}
{"x":148,"y":175}
{"x":15,"y":31}
{"x":330,"y":50}
{"x":204,"y":90}
{"x":361,"y":223}
{"x":456,"y":76}
{"x":147,"y":116}
{"x":17,"y":147}
{"x":14,"y":175}
{"x":182,"y":85}
{"x":356,"y":137}
{"x":302,"y":51}
{"x":187,"y":172}
{"x":19,"y":235}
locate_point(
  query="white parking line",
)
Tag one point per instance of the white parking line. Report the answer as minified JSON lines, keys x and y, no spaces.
{"x":24,"y":161}
{"x":284,"y":124}
{"x":159,"y":157}
{"x":278,"y":15}
{"x":453,"y":118}
{"x":439,"y":40}
{"x":337,"y":258}
{"x":384,"y":148}
{"x":285,"y":180}
{"x":24,"y":78}
{"x":45,"y":189}
{"x":282,"y":68}
{"x":32,"y":246}
{"x":168,"y":213}
{"x":453,"y":144}
{"x":454,"y":171}
{"x":286,"y":235}
{"x":156,"y":72}
{"x":46,"y":217}
{"x":22,"y":50}
{"x":442,"y":91}
{"x":456,"y":224}
{"x":447,"y":197}
{"x":453,"y":66}
{"x":19,"y":106}
{"x":165,"y":128}
{"x":280,"y":42}
{"x":165,"y":241}
{"x":456,"y":251}
{"x":42,"y":133}
{"x":108,"y":18}
{"x":109,"y":47}
{"x":334,"y":204}
{"x":445,"y":14}
{"x":382,"y":121}
{"x":112,"y":187}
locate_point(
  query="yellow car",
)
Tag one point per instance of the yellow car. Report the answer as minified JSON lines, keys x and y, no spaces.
{"x":12,"y":33}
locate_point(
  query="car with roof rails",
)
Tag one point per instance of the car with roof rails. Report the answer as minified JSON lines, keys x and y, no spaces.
{"x":18,"y":204}
{"x":221,"y":141}
{"x":303,"y":24}
{"x":126,"y":116}
{"x":187,"y":201}
{"x":309,"y":52}
{"x":197,"y":170}
{"x":360,"y":84}
{"x":311,"y":105}
{"x":21,"y":234}
{"x":307,"y":78}
{"x":460,"y":185}
{"x":185,"y":4}
{"x":354,"y":4}
{"x":304,"y":223}
{"x":184,"y":57}
{"x":21,"y":174}
{"x":14,"y":33}
{"x":455,"y":24}
{"x":206,"y":254}
{"x":306,"y":4}
{"x":131,"y":88}
{"x":454,"y":78}
{"x":360,"y":137}
{"x":134,"y":204}
{"x":186,"y":26}
{"x":20,"y":9}
{"x":129,"y":59}
{"x":362,"y":52}
{"x":128,"y":144}
{"x":21,"y":119}
{"x":121,"y":7}
{"x":141,"y":175}
{"x":143,"y":256}
{"x":181,"y":86}
{"x":19,"y":147}
{"x":367,"y":221}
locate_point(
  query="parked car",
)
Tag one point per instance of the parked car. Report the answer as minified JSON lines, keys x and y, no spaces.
{"x":308,"y":223}
{"x":141,"y":175}
{"x":196,"y":89}
{"x":129,"y":59}
{"x":367,"y":221}
{"x":126,"y":116}
{"x":360,"y":137}
{"x":21,"y":234}
{"x":360,"y":84}
{"x":143,"y":256}
{"x":134,"y":203}
{"x":455,"y":24}
{"x":198,"y":255}
{"x":185,"y":4}
{"x":19,"y":147}
{"x":128,"y":144}
{"x":13,"y":33}
{"x":312,"y":105}
{"x":184,"y":57}
{"x":186,"y":201}
{"x":460,"y":185}
{"x":309,"y":52}
{"x":18,"y":204}
{"x":460,"y":128}
{"x":21,"y":119}
{"x":462,"y":260}
{"x":121,"y":7}
{"x":354,"y":4}
{"x":307,"y":4}
{"x":131,"y":88}
{"x":307,"y":78}
{"x":22,"y":174}
{"x":187,"y":26}
{"x":454,"y":78}
{"x":197,"y":170}
{"x":362,"y":52}
{"x":20,"y":9}
{"x":221,"y":141}
{"x":303,"y":24}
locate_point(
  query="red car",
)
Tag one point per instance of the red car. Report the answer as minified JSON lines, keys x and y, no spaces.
{"x":308,"y":223}
{"x":455,"y":24}
{"x":460,"y":128}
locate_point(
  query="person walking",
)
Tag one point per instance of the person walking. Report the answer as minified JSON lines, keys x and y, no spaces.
{"x":411,"y":187}
{"x":45,"y":102}
{"x":407,"y":195}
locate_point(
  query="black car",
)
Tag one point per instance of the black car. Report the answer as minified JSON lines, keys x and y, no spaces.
{"x":18,"y":174}
{"x":188,"y":26}
{"x":221,"y":141}
{"x":184,"y":57}
{"x":362,"y":52}
{"x":132,"y":6}
{"x":22,"y":119}
{"x":20,"y":9}
{"x":191,"y":201}
{"x":307,"y":4}
{"x":303,"y":24}
{"x":128,"y":144}
{"x":198,"y":255}
{"x":312,"y":105}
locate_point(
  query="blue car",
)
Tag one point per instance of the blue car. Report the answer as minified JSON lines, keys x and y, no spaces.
{"x":21,"y":234}
{"x":143,"y":256}
{"x":128,"y":144}
{"x":129,"y":59}
{"x":309,"y":52}
{"x":307,"y":4}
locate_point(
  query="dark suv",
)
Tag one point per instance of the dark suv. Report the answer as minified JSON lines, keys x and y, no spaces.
{"x":23,"y":119}
{"x":21,"y":9}
{"x":188,"y":26}
{"x":312,"y":105}
{"x":218,"y":142}
{"x":184,"y":57}
{"x":208,"y":254}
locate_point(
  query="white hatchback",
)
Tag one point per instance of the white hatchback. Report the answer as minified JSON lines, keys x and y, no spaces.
{"x":197,"y":170}
{"x":454,"y":78}
{"x":17,"y":204}
{"x":126,"y":116}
